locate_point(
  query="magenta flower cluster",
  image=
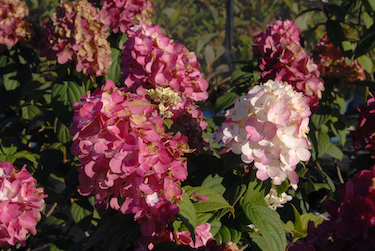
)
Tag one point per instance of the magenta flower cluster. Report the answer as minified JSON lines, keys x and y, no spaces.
{"x":282,"y":58}
{"x":352,"y":223}
{"x":20,"y":204}
{"x":12,"y":21}
{"x":268,"y":126}
{"x":128,"y":161}
{"x":124,"y":14}
{"x":150,"y":60}
{"x":78,"y":33}
{"x":365,"y":132}
{"x":331,"y":63}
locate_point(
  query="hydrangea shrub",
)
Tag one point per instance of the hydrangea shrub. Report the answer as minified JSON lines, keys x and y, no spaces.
{"x":282,"y":58}
{"x":331,"y":63}
{"x":78,"y":32}
{"x":269,"y":127}
{"x":13,"y":27}
{"x":20,"y":204}
{"x":124,"y":14}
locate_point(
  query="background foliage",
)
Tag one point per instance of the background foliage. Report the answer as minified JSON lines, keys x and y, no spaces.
{"x":36,"y":98}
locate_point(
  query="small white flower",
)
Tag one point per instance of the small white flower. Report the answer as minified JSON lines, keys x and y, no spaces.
{"x":274,"y":201}
{"x":152,"y":199}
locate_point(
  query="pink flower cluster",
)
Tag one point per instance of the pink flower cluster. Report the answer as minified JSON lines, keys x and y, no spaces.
{"x":284,"y":59}
{"x":123,"y":14}
{"x":269,"y":126}
{"x":331,"y":63}
{"x":12,"y":21}
{"x":150,"y":61}
{"x":128,"y":161}
{"x":352,"y":221}
{"x":365,"y":131}
{"x":78,"y":33}
{"x":20,"y":204}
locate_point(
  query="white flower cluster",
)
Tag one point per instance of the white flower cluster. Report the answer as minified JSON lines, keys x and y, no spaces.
{"x":269,"y":126}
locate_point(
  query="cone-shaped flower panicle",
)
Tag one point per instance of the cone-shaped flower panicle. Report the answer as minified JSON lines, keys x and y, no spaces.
{"x":13,"y":27}
{"x":20,"y":204}
{"x":127,"y":157}
{"x":78,"y":33}
{"x":282,"y":58}
{"x":158,"y":68}
{"x":268,"y":126}
{"x":124,"y":14}
{"x":331,"y":63}
{"x":150,"y":60}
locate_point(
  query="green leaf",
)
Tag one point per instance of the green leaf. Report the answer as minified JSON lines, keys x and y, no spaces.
{"x":82,"y":213}
{"x":203,"y":217}
{"x":63,"y":134}
{"x":256,"y":191}
{"x":326,"y":178}
{"x":283,"y":187}
{"x":27,"y":155}
{"x":335,"y":152}
{"x":289,"y":226}
{"x":29,"y":112}
{"x":228,"y":234}
{"x":341,"y":102}
{"x":338,"y":132}
{"x":235,"y":189}
{"x":214,"y":182}
{"x":52,"y":220}
{"x":168,"y":123}
{"x":366,"y":63}
{"x":368,"y":19}
{"x":11,"y":81}
{"x":323,"y":143}
{"x":335,"y":33}
{"x":215,"y":227}
{"x":366,"y":43}
{"x":225,"y":234}
{"x":370,"y":4}
{"x":216,"y":201}
{"x":9,"y":145}
{"x":351,"y":5}
{"x":321,"y":116}
{"x":10,"y":158}
{"x":64,"y":94}
{"x":209,"y":55}
{"x":270,"y":227}
{"x":188,"y":214}
{"x":298,"y":225}
{"x":225,"y":102}
{"x":311,"y":217}
{"x":114,"y":71}
{"x":260,"y":241}
{"x":204,"y":40}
